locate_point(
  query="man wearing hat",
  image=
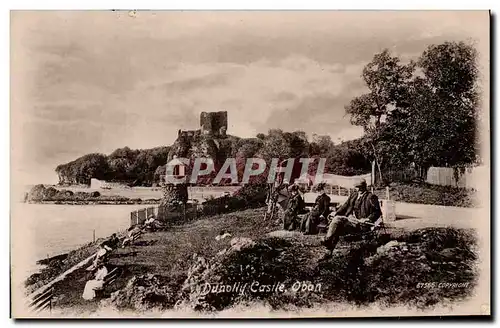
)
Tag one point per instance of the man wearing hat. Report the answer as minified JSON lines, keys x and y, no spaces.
{"x":294,"y":208}
{"x":320,"y":211}
{"x":361,"y":204}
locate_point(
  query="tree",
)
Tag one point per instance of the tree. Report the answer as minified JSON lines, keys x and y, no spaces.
{"x":275,"y":146}
{"x":261,"y":136}
{"x":297,"y":141}
{"x":91,"y":166}
{"x":348,"y":158}
{"x":320,"y":145}
{"x":426,"y":119}
{"x":159,"y":173}
{"x":387,"y":80}
{"x":450,"y":111}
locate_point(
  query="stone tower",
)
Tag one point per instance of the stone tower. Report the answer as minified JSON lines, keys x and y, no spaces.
{"x":214,"y":124}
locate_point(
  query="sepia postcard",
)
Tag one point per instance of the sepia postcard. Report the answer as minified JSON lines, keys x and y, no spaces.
{"x":250,"y":164}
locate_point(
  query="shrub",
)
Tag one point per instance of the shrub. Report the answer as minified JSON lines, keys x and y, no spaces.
{"x":254,"y":195}
{"x":423,"y":193}
{"x":66,"y":193}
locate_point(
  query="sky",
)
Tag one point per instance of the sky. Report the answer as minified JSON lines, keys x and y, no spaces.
{"x":85,"y":82}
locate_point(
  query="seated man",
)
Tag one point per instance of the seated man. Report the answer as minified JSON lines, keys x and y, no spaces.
{"x":363,"y":205}
{"x":150,"y":220}
{"x":294,"y":208}
{"x":130,"y":234}
{"x":95,"y":284}
{"x":152,"y":224}
{"x":320,"y":211}
{"x":112,"y":242}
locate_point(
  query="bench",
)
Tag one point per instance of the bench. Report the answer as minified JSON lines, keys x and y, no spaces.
{"x":134,"y":237}
{"x":42,"y":301}
{"x":323,"y":227}
{"x":111,"y":277}
{"x":108,"y":280}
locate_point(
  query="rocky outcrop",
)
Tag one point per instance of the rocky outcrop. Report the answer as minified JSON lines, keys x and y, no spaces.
{"x":144,"y":292}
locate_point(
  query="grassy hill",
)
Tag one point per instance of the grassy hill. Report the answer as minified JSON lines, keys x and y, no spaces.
{"x":167,"y":270}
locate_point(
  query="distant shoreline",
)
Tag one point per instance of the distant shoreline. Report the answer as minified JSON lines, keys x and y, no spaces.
{"x":98,"y":202}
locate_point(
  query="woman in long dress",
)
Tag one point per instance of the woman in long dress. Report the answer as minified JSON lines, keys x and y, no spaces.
{"x":95,"y":284}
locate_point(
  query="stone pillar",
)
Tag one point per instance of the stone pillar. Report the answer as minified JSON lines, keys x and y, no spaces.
{"x":175,"y":197}
{"x":175,"y":193}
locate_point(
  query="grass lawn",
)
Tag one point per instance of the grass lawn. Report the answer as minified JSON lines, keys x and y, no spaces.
{"x":167,"y":253}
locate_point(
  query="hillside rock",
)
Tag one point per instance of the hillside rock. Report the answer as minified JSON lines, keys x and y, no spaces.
{"x":142,"y":293}
{"x":37,"y":193}
{"x":239,"y":243}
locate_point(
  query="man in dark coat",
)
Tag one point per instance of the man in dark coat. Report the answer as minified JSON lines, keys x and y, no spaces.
{"x":294,"y":208}
{"x":112,"y":242}
{"x":365,"y":208}
{"x":320,"y":211}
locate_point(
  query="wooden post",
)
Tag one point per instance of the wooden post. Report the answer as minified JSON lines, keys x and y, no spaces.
{"x":373,"y":177}
{"x":50,"y":300}
{"x":93,"y":236}
{"x":387,"y":194}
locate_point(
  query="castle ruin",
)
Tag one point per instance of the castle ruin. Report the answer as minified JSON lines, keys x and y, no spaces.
{"x":212,"y":124}
{"x":204,"y":142}
{"x":208,"y":141}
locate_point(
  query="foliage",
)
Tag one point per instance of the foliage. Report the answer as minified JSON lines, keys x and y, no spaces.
{"x":446,"y":117}
{"x":420,"y":193}
{"x":348,"y":158}
{"x":37,"y":193}
{"x":386,"y":79}
{"x":123,"y":164}
{"x":422,"y":113}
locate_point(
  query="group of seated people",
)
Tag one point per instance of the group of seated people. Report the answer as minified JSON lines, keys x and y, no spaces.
{"x":360,"y":213}
{"x":98,"y":267}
